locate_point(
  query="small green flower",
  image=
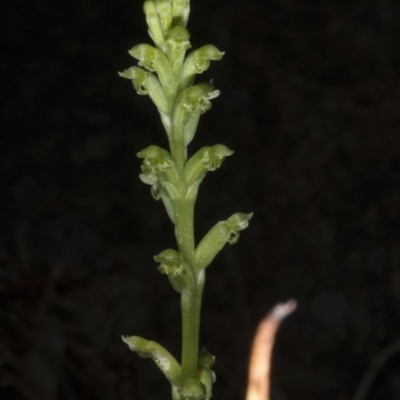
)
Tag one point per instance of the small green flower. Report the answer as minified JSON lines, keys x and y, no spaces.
{"x":158,"y":170}
{"x":138,"y":77}
{"x":155,"y":60}
{"x":163,"y":358}
{"x":171,"y":263}
{"x":193,"y":101}
{"x":206,"y":159}
{"x":177,"y":44}
{"x":147,"y":83}
{"x":198,"y":97}
{"x":146,"y":55}
{"x":220,"y":234}
{"x":197,"y":62}
{"x":156,"y":158}
{"x":214,"y":156}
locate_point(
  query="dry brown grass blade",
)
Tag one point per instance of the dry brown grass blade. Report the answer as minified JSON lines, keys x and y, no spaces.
{"x":260,"y":359}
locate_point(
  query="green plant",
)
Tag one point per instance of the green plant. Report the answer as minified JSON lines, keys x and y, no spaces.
{"x":168,"y":77}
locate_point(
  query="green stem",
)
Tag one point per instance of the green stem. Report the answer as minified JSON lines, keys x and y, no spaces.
{"x":191,"y":296}
{"x":191,"y":309}
{"x":184,"y":216}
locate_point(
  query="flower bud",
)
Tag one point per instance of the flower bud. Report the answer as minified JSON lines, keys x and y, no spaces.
{"x":220,"y":234}
{"x":205,"y":358}
{"x":154,"y":23}
{"x":180,"y":11}
{"x":163,"y":358}
{"x":164,"y":10}
{"x":207,"y":377}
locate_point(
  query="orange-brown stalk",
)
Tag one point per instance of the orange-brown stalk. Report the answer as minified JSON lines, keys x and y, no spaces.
{"x":260,"y":359}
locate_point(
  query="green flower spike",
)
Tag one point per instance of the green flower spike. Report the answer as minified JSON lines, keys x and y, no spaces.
{"x":172,"y":264}
{"x":162,"y":357}
{"x":220,"y":234}
{"x":167,"y":77}
{"x":197,"y":62}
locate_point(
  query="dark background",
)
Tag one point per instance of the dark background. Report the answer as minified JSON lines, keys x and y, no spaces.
{"x":310,"y":101}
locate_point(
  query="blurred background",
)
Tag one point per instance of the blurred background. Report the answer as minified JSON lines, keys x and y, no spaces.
{"x":310,"y":101}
